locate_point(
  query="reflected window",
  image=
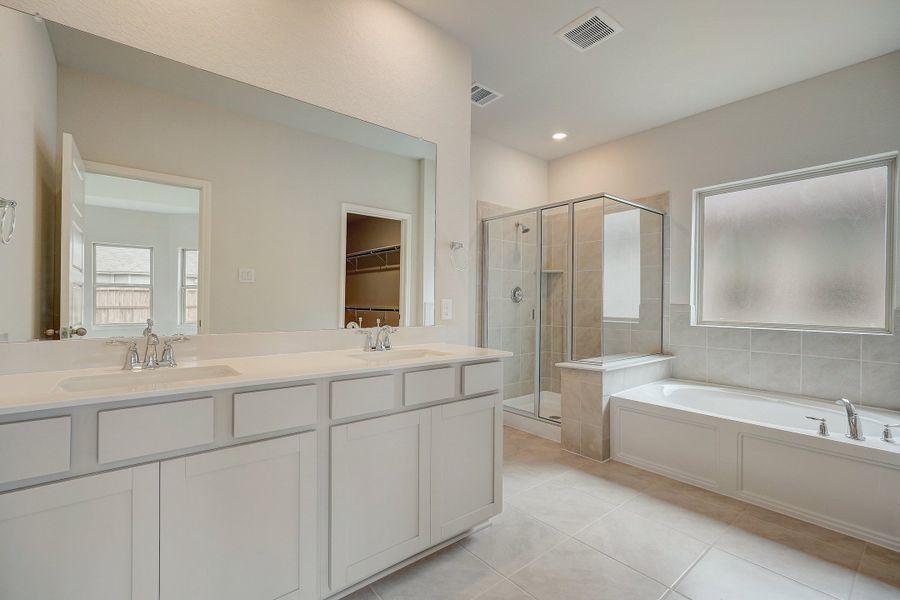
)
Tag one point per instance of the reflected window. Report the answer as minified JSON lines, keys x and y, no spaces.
{"x":190,"y":275}
{"x":123,"y":284}
{"x":803,"y":250}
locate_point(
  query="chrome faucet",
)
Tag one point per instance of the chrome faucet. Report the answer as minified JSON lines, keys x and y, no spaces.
{"x":383,"y":337}
{"x":151,"y":358}
{"x":853,"y":425}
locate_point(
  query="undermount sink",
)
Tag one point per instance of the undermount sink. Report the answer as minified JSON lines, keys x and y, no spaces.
{"x":391,"y":356}
{"x":131,"y":379}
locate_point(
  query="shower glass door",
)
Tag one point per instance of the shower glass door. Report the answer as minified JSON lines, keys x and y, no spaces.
{"x":554,"y":307}
{"x":510,"y":289}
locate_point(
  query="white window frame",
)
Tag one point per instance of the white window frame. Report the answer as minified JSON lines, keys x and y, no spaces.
{"x":94,"y":282}
{"x":182,"y":287}
{"x":888,"y":159}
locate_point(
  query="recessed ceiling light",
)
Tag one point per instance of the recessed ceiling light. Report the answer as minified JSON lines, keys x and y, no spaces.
{"x":560,"y":136}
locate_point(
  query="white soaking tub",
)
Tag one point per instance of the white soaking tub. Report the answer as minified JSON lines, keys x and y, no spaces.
{"x":761,"y":448}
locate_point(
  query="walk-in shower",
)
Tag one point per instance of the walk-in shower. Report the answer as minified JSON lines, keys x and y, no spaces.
{"x":580,"y":280}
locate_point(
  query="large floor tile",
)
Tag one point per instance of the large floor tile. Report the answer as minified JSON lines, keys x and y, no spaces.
{"x":518,"y":478}
{"x":513,"y":540}
{"x":819,"y":565}
{"x":606,"y":481}
{"x":561,"y":506}
{"x":721,"y":576}
{"x":879,"y":575}
{"x":365,"y":593}
{"x":648,"y":546}
{"x":451,"y":574}
{"x":820,"y":533}
{"x":506,"y":590}
{"x":697,"y":518}
{"x":575,"y":571}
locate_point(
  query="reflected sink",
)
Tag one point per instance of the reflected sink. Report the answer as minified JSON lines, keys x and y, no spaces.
{"x":131,"y":379}
{"x":392,"y":356}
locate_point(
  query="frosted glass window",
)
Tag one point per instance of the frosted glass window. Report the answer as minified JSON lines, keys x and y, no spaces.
{"x":809,"y":250}
{"x":622,"y":265}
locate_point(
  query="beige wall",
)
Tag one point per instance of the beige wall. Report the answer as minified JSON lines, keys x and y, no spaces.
{"x":370,"y":59}
{"x":505,"y":176}
{"x":27,"y":175}
{"x":276,"y":193}
{"x":845,"y":114}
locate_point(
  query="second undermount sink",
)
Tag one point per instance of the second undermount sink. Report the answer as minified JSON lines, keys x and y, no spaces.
{"x":137,"y":379}
{"x":392,"y":356}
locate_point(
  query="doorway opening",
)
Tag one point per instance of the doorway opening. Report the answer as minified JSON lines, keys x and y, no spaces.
{"x":375,"y":266}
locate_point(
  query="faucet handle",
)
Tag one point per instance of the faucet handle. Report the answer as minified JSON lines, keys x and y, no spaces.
{"x":823,"y":426}
{"x":887,"y":435}
{"x":369,"y":342}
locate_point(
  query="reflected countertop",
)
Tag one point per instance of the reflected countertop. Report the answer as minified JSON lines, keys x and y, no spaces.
{"x":27,"y":392}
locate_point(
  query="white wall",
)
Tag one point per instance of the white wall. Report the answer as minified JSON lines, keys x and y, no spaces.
{"x":27,"y":175}
{"x":849,"y":113}
{"x":370,"y":59}
{"x":167,"y":234}
{"x":506,"y":176}
{"x":276,"y":193}
{"x":845,"y":114}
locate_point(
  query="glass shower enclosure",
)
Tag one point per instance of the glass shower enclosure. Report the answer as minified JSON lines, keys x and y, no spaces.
{"x":580,"y":280}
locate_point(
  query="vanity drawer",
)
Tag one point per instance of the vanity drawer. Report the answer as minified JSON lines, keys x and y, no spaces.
{"x":354,"y":397}
{"x":34,"y":448}
{"x":273,"y":410}
{"x":428,"y":386}
{"x":126,"y":433}
{"x":480,"y":378}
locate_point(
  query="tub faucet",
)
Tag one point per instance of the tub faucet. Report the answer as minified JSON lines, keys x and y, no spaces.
{"x":854,"y":428}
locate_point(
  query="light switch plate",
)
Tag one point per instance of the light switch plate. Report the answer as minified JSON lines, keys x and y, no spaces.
{"x":247,"y":275}
{"x":446,"y":309}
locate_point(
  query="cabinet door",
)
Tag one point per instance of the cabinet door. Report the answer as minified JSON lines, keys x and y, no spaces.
{"x":239,"y":523}
{"x":90,"y":538}
{"x":466,"y":459}
{"x":379,"y":494}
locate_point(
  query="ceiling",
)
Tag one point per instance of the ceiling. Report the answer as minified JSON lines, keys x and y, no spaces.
{"x":673,"y":59}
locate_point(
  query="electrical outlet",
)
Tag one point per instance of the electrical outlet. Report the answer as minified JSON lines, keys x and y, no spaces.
{"x":446,"y":309}
{"x":247,"y":275}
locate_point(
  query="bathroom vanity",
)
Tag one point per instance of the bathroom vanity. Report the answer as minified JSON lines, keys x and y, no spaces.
{"x":292,"y":476}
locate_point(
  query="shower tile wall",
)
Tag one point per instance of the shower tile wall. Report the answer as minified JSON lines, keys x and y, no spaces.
{"x":554,"y":295}
{"x":511,"y":263}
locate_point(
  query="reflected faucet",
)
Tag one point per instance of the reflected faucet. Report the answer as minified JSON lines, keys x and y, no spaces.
{"x":853,"y":426}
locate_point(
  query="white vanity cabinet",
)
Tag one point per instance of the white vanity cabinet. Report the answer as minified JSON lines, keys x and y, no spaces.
{"x":380,"y":511}
{"x":466,"y":456}
{"x":239,"y":523}
{"x":405,"y":482}
{"x":89,"y":538}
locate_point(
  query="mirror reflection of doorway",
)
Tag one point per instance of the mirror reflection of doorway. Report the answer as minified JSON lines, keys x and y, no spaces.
{"x":373,"y":279}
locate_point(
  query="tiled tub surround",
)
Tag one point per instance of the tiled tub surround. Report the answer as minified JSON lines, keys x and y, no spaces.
{"x":760,"y":447}
{"x":864,"y":368}
{"x":586,"y":389}
{"x":575,"y":529}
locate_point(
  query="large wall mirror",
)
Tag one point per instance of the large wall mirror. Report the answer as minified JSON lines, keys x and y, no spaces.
{"x":145,"y":188}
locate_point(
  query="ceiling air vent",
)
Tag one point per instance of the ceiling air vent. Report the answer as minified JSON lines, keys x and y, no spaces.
{"x":588,"y":30}
{"x":482,"y":96}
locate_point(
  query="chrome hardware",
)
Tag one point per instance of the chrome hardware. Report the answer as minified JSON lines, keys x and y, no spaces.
{"x":517,"y":295}
{"x":66,"y":333}
{"x":383,"y":337}
{"x":853,"y":425}
{"x":369,"y":342}
{"x":887,"y":435}
{"x":823,"y":426}
{"x":168,"y":353}
{"x":132,"y":356}
{"x":7,"y":232}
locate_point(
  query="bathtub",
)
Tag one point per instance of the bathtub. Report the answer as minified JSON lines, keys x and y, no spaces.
{"x":760,"y":447}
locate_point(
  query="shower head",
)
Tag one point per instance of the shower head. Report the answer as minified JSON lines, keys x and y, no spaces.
{"x":523,"y":227}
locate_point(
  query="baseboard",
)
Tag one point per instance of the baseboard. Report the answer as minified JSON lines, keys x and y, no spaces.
{"x":548,"y":431}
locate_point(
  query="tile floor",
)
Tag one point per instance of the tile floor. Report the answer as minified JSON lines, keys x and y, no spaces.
{"x":575,"y":529}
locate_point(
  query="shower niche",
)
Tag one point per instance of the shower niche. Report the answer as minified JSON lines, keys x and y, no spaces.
{"x":580,"y":280}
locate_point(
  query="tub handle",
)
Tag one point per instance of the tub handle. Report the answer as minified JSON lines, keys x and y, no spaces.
{"x":887,"y":435}
{"x":823,"y":426}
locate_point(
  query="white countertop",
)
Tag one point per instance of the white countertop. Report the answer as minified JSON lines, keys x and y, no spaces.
{"x":27,"y":392}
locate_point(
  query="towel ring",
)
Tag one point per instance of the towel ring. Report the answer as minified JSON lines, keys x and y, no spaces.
{"x":7,"y":207}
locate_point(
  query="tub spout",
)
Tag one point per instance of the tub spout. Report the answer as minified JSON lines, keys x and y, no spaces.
{"x":853,"y":427}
